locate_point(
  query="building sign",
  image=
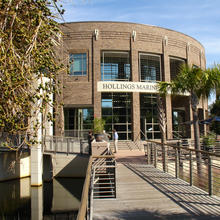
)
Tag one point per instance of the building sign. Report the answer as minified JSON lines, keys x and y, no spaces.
{"x":147,"y":87}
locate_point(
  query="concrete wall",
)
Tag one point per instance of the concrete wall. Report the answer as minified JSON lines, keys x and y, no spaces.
{"x":12,"y":167}
{"x":57,"y":165}
{"x":62,"y":165}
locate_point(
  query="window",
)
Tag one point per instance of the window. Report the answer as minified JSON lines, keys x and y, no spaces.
{"x":178,"y":119}
{"x":77,"y":121}
{"x":78,"y":64}
{"x":175,"y":67}
{"x":116,"y":111}
{"x":115,"y":66}
{"x":149,"y":67}
{"x":149,"y":117}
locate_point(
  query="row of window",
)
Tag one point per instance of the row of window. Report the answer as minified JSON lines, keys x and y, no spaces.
{"x":116,"y":111}
{"x":115,"y":66}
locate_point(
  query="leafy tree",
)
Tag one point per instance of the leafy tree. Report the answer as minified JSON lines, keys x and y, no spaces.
{"x":197,"y":83}
{"x":28,"y":64}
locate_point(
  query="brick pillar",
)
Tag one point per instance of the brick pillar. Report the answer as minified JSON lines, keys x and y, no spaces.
{"x":96,"y":67}
{"x":168,"y":99}
{"x":135,"y":95}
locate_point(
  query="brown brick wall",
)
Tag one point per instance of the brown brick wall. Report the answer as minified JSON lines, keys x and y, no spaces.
{"x":79,"y":37}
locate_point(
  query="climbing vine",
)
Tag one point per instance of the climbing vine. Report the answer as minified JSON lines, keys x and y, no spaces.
{"x":29,"y":65}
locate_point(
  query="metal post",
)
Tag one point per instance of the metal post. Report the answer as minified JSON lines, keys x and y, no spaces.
{"x":148,"y":153}
{"x":81,"y":147}
{"x":92,"y":180}
{"x":190,"y":168}
{"x":177,"y":165}
{"x":210,"y":175}
{"x":164,"y":153}
{"x":51,"y":143}
{"x":68,"y":146}
{"x":56,"y":140}
{"x":155,"y":156}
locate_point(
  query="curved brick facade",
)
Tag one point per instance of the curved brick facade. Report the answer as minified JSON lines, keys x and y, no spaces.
{"x":91,"y":38}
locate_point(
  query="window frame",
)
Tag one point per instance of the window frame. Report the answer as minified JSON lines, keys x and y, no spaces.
{"x":102,"y":67}
{"x":175,"y":58}
{"x":81,"y":75}
{"x":139,"y":60}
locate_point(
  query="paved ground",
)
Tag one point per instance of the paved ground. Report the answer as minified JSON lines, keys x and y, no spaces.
{"x":144,"y":192}
{"x":131,"y":156}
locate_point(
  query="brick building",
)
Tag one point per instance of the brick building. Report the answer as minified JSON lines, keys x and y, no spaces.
{"x":113,"y":70}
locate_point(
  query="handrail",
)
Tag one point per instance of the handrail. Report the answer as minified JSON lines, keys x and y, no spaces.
{"x":183,"y":162}
{"x":185,"y":148}
{"x":85,"y":193}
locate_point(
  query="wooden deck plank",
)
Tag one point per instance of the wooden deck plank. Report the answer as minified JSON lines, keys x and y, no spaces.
{"x":144,"y":192}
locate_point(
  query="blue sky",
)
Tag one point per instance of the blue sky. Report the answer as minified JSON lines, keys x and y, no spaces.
{"x":197,"y":18}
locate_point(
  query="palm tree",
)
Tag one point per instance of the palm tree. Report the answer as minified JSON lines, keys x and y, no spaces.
{"x":197,"y":83}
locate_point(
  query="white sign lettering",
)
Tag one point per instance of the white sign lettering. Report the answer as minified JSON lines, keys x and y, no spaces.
{"x":147,"y":87}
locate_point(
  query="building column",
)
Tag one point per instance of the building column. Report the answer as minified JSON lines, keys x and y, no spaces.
{"x":37,"y":155}
{"x":166,"y":78}
{"x":96,"y":71}
{"x":135,"y":95}
{"x":36,"y":165}
{"x":135,"y":115}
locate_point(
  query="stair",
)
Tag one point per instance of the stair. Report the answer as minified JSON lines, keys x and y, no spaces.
{"x":128,"y":145}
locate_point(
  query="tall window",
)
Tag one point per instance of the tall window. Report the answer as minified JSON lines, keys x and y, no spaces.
{"x":175,"y":66}
{"x":78,"y":64}
{"x":116,"y":110}
{"x":115,"y":66}
{"x":149,"y":67}
{"x":149,"y":117}
{"x":77,"y":121}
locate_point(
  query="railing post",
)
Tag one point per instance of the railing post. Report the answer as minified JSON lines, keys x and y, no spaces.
{"x":190,"y":168}
{"x":210,"y":175}
{"x":148,"y":153}
{"x":81,"y":147}
{"x":155,"y":156}
{"x":68,"y":146}
{"x":55,"y":148}
{"x":51,"y":143}
{"x":177,"y":164}
{"x":164,"y":153}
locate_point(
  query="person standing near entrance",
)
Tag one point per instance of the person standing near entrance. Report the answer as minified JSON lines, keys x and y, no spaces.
{"x":115,"y":138}
{"x":90,"y":139}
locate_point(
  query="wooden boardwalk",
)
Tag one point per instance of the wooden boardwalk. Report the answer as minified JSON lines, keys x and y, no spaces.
{"x":144,"y":192}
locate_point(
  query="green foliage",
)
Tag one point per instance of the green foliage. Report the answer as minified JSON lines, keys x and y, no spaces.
{"x":98,"y":125}
{"x":215,"y":111}
{"x":197,"y":83}
{"x":193,"y":80}
{"x":208,"y":140}
{"x":28,"y":64}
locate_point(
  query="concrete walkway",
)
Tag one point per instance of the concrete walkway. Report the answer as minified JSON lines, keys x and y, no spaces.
{"x":144,"y":192}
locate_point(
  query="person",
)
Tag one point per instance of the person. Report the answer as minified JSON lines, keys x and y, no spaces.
{"x":90,"y":139}
{"x":115,"y":138}
{"x":106,"y":138}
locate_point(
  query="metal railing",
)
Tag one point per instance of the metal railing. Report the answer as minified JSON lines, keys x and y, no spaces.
{"x":68,"y":145}
{"x":76,"y":134}
{"x":197,"y":167}
{"x":13,"y":141}
{"x":100,"y":183}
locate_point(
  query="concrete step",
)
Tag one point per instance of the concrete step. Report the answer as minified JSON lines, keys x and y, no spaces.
{"x":128,"y":145}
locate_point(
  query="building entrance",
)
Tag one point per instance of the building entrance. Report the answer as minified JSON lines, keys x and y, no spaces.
{"x":116,"y":111}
